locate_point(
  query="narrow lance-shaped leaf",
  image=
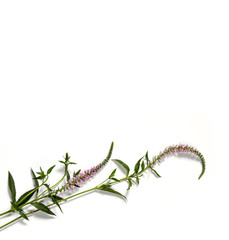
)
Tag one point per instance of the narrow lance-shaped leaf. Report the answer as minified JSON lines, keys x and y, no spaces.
{"x":113,"y":173}
{"x":115,"y":179}
{"x":71,"y":163}
{"x":12,"y":187}
{"x":143,"y":165}
{"x":50,"y":169}
{"x":137,"y":165}
{"x":129,"y":185}
{"x":68,"y":176}
{"x":108,"y":189}
{"x":23,"y":215}
{"x":19,"y":210}
{"x":123,"y":164}
{"x":24,"y":198}
{"x":56,"y":202}
{"x":40,"y":206}
{"x":137,"y":179}
{"x":147,"y":158}
{"x":76,"y":173}
{"x":57,"y":197}
{"x":16,"y":207}
{"x":48,"y":187}
{"x":67,"y":157}
{"x":155,"y":172}
{"x":35,"y":181}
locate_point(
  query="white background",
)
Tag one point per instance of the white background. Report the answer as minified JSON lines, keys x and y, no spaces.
{"x":76,"y":75}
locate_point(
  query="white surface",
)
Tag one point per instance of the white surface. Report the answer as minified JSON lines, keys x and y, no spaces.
{"x":75,"y":76}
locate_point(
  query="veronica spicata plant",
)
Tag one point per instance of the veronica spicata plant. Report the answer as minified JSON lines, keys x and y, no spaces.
{"x":43,"y":195}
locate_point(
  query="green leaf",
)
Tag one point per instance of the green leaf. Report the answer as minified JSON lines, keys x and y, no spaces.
{"x":143,"y":165}
{"x":24,"y":198}
{"x":76,"y":173}
{"x":68,"y":176}
{"x":41,"y":173}
{"x":40,"y":206}
{"x":23,"y":215}
{"x":71,"y":163}
{"x":15,"y":206}
{"x":62,"y":162}
{"x":113,"y":173}
{"x":130,"y":185}
{"x":35,"y":181}
{"x":19,"y":210}
{"x":123,"y":164}
{"x":57,"y":197}
{"x":137,"y":179}
{"x":50,"y":169}
{"x":12,"y":187}
{"x":147,"y":158}
{"x":56,"y":202}
{"x":66,"y":158}
{"x":47,"y":186}
{"x":108,"y":189}
{"x":40,"y":177}
{"x":155,"y":172}
{"x":137,"y":165}
{"x":115,"y":179}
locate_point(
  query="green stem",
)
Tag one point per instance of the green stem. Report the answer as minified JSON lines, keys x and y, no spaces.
{"x":4,"y":213}
{"x":12,"y":209}
{"x":77,"y":194}
{"x":39,"y":197}
{"x":14,"y":220}
{"x":56,"y":183}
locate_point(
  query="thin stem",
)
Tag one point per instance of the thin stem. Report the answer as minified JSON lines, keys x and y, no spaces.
{"x":43,"y":191}
{"x":11,"y":210}
{"x":14,"y":220}
{"x":56,"y":183}
{"x":4,"y":213}
{"x":134,"y":175}
{"x":77,"y":194}
{"x":101,"y":183}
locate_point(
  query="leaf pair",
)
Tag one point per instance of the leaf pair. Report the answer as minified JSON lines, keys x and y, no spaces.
{"x":136,"y":167}
{"x":24,"y":198}
{"x":112,"y":175}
